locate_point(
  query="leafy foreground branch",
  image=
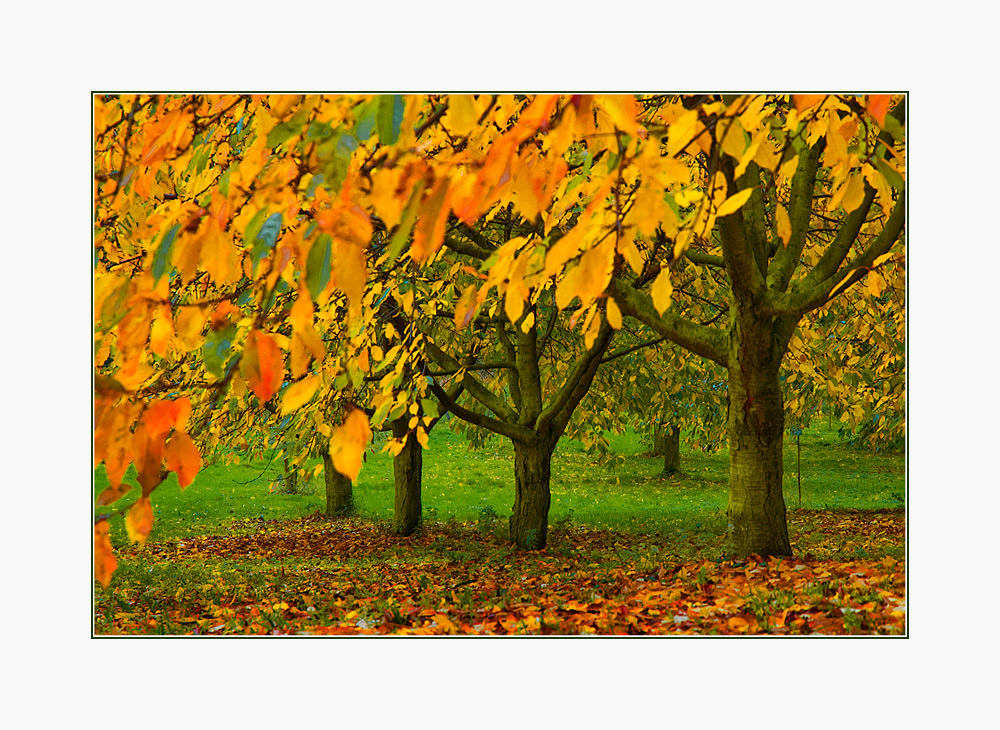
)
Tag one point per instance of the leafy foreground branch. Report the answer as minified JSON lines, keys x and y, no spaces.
{"x":315,"y":577}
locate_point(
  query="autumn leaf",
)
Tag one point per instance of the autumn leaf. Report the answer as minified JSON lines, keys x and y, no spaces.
{"x":348,"y":442}
{"x":262,"y":365}
{"x":104,"y":557}
{"x":661,"y":291}
{"x":878,"y":106}
{"x":733,"y":203}
{"x":163,"y":415}
{"x":428,"y":233}
{"x":298,"y":393}
{"x":182,"y":458}
{"x":806,"y":101}
{"x":465,"y":310}
{"x":783,"y":223}
{"x":139,"y":520}
{"x":614,"y":314}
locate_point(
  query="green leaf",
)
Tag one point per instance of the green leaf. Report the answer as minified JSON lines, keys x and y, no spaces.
{"x":161,"y":259}
{"x":266,"y":238}
{"x":891,"y":176}
{"x":318,"y":264}
{"x":390,"y":118}
{"x":282,"y":132}
{"x":365,"y":117}
{"x":217,"y":350}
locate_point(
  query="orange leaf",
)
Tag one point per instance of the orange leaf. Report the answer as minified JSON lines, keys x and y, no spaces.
{"x":736,"y":623}
{"x":262,"y":365}
{"x":182,"y":458}
{"x":139,"y":520}
{"x":878,"y":107}
{"x":348,"y":442}
{"x":163,"y":415}
{"x":804,"y":101}
{"x":148,"y":456}
{"x":428,"y":234}
{"x":104,"y":557}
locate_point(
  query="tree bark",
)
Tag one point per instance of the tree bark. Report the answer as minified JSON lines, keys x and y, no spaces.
{"x":756,"y":437}
{"x":529,"y":520}
{"x":668,"y":444}
{"x":339,"y":490}
{"x":407,"y":468}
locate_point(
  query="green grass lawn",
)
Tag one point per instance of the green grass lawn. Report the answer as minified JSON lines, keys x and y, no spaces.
{"x":470,"y":485}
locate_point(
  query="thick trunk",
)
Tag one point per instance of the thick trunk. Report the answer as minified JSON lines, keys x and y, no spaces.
{"x":339,"y":496}
{"x":670,"y":447}
{"x":532,"y":467}
{"x":756,"y":436}
{"x":407,"y":467}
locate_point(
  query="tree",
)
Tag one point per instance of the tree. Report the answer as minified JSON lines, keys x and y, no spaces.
{"x":230,"y":231}
{"x":765,"y":208}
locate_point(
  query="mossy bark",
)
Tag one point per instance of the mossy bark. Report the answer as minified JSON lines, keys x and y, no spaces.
{"x":339,"y":490}
{"x":407,"y":467}
{"x":529,"y":520}
{"x":671,"y":449}
{"x":756,"y":439}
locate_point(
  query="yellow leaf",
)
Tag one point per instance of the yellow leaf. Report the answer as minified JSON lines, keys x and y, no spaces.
{"x":348,"y":442}
{"x":463,"y":113}
{"x":661,"y":291}
{"x":595,"y":271}
{"x":734,"y":140}
{"x":592,"y":331}
{"x":465,"y":310}
{"x":422,"y":438}
{"x":614,"y":314}
{"x":566,"y":288}
{"x":298,"y":394}
{"x":622,"y":109}
{"x":854,"y":193}
{"x":734,"y":203}
{"x":784,"y":224}
{"x":875,"y":282}
{"x":528,"y":322}
{"x":681,"y":131}
{"x":139,"y":520}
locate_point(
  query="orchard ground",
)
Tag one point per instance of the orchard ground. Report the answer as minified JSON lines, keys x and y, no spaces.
{"x":630,"y":551}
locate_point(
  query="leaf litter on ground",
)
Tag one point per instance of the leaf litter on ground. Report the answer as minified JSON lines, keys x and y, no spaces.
{"x":314,"y":576}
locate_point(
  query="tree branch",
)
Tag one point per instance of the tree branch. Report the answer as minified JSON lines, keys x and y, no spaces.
{"x":708,"y":342}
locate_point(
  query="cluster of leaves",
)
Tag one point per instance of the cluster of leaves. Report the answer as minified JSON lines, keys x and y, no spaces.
{"x":311,"y":576}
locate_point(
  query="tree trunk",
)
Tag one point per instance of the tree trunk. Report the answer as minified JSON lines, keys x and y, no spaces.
{"x":671,"y":445}
{"x":756,"y":437}
{"x":532,"y":468}
{"x":407,"y":467}
{"x":339,"y":496}
{"x":291,"y":478}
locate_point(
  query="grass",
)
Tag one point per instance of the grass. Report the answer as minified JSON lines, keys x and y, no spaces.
{"x":467,"y":485}
{"x":629,"y":550}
